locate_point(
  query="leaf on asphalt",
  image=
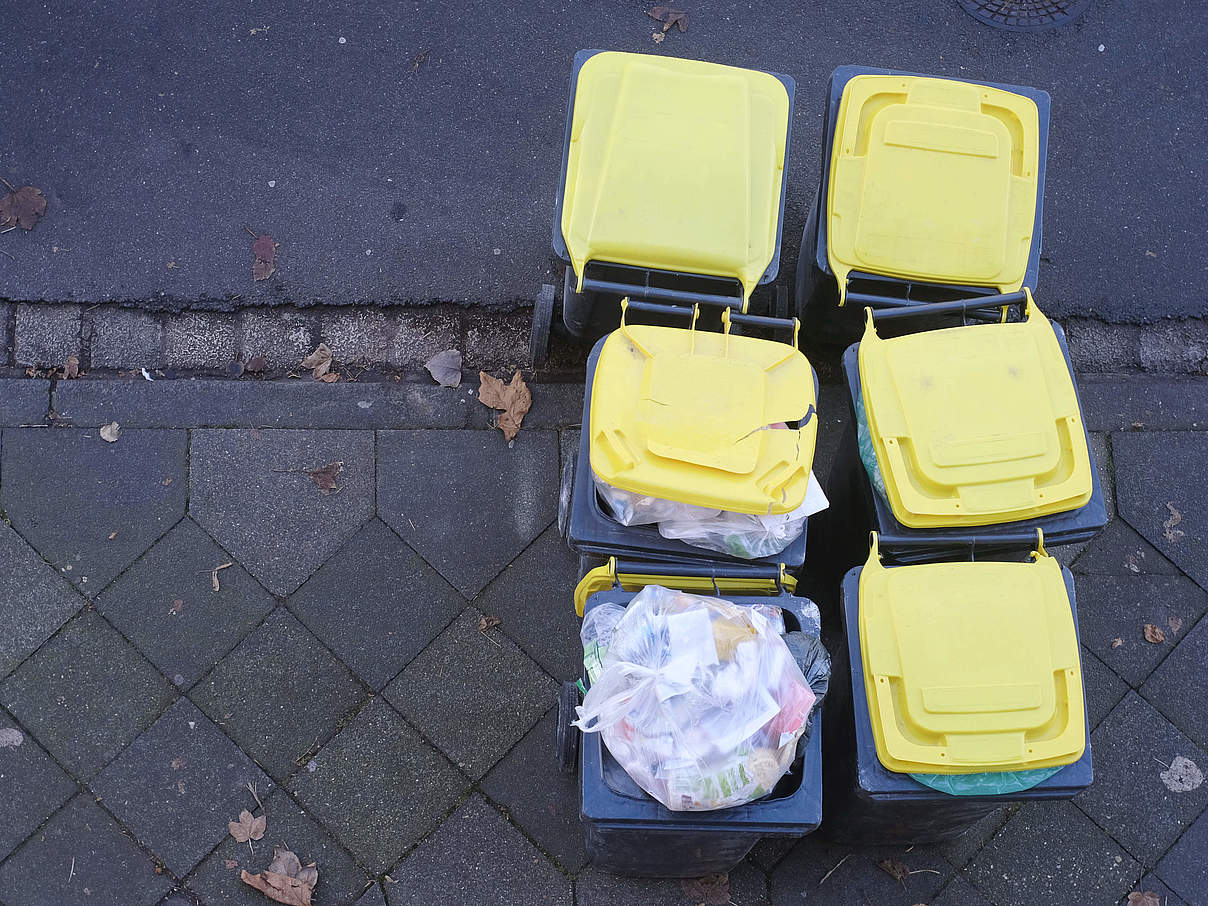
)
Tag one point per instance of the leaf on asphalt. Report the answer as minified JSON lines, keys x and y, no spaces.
{"x":1183,"y":775}
{"x":671,"y":18}
{"x":488,"y":622}
{"x":330,"y":378}
{"x":214,"y":575}
{"x":71,"y":368}
{"x":1175,"y":623}
{"x":897,"y":870}
{"x":1173,"y":535}
{"x":285,"y":880}
{"x":418,"y":60}
{"x":319,"y":362}
{"x":110,"y":432}
{"x":264,"y":256}
{"x":232,"y":863}
{"x":711,"y":890}
{"x":514,"y":401}
{"x":1154,"y":634}
{"x":256,"y":364}
{"x":1144,"y":898}
{"x":445,"y":368}
{"x":1117,"y":643}
{"x":22,"y":207}
{"x":324,"y":477}
{"x":247,"y":827}
{"x":11,"y":738}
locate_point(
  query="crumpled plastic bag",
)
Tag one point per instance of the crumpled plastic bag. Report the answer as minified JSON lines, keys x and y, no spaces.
{"x":742,"y":535}
{"x":698,"y":699}
{"x":868,"y":453}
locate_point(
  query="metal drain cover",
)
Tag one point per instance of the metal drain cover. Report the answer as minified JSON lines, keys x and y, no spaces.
{"x":1025,"y":15}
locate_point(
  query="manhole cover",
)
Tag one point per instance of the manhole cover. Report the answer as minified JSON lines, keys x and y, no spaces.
{"x":1025,"y":15}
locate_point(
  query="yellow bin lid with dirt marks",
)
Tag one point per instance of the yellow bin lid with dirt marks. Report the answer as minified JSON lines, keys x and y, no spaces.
{"x":675,"y":165}
{"x":934,"y":180}
{"x":972,"y":666}
{"x":975,"y":425}
{"x":716,"y":420}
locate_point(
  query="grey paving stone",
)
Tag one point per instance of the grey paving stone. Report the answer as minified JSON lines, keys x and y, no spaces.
{"x":1118,"y":607}
{"x":1162,"y":498}
{"x":341,"y":880}
{"x":167,"y":606}
{"x":110,"y":502}
{"x":1120,"y":551}
{"x":475,"y":856}
{"x":748,"y":887}
{"x":424,"y":333}
{"x":555,"y":405}
{"x":201,"y":340}
{"x":534,"y":597}
{"x":378,"y":787}
{"x":487,"y":505}
{"x":252,"y":403}
{"x":178,"y":784}
{"x":23,"y":401}
{"x":376,"y":604}
{"x":1131,"y":746}
{"x":1124,"y":402}
{"x":1098,"y":347}
{"x":1103,"y":688}
{"x":496,"y":341}
{"x":358,"y":336}
{"x":1152,"y":884}
{"x":547,"y":810}
{"x":31,"y":785}
{"x":833,"y":416}
{"x":1179,"y":687}
{"x":34,"y":600}
{"x":474,"y":694}
{"x":86,"y":693}
{"x":1052,"y":853}
{"x":46,"y":335}
{"x":279,"y":525}
{"x":125,"y":338}
{"x":960,"y":892}
{"x":81,"y":858}
{"x":1171,"y":345}
{"x":279,"y":694}
{"x":283,"y":336}
{"x":372,"y":897}
{"x":959,"y":850}
{"x":854,"y":875}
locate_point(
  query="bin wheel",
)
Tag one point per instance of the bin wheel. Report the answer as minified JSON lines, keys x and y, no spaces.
{"x":568,"y":736}
{"x":543,"y":320}
{"x":566,"y":490}
{"x":577,"y":307}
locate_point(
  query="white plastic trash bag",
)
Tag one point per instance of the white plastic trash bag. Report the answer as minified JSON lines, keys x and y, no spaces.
{"x":629,"y":508}
{"x":698,"y":699}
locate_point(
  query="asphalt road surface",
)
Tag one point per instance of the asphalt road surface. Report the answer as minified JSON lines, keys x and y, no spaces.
{"x":409,"y":152}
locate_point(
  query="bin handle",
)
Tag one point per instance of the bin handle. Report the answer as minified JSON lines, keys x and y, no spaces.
{"x":1025,"y":538}
{"x":729,"y":317}
{"x":1003,"y":301}
{"x":658,"y":308}
{"x":770,"y":572}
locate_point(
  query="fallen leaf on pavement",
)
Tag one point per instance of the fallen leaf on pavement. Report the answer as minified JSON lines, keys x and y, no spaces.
{"x":669,"y":17}
{"x":1173,"y":535}
{"x":418,"y":60}
{"x":325,"y":476}
{"x":657,"y":37}
{"x":711,"y":890}
{"x":897,"y":870}
{"x":264,"y":255}
{"x":1144,"y":898}
{"x":330,"y":378}
{"x":177,"y":608}
{"x":110,"y":432}
{"x":488,"y":623}
{"x":11,"y":738}
{"x":1175,"y":623}
{"x":232,"y":863}
{"x":247,"y":827}
{"x":214,"y":574}
{"x":21,"y":207}
{"x":71,"y":368}
{"x":285,"y":880}
{"x":319,"y":362}
{"x":445,"y":368}
{"x":1117,"y":643}
{"x":256,"y":364}
{"x":1183,"y":775}
{"x":1154,"y":634}
{"x":178,"y":763}
{"x":513,"y":399}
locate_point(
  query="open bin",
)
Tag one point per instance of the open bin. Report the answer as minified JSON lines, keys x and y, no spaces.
{"x":678,"y":414}
{"x":672,"y":187}
{"x":629,"y":832}
{"x":931,"y":189}
{"x":973,"y":434}
{"x":964,"y":674}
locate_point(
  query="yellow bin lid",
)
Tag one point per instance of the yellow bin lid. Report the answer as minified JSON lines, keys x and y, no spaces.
{"x":971,"y":667}
{"x":934,"y":180}
{"x":975,"y":425}
{"x":680,"y":415}
{"x":675,"y":165}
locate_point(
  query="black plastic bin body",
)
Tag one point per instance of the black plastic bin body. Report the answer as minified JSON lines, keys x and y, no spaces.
{"x":595,"y":311}
{"x":630,"y":833}
{"x":868,"y":804}
{"x":591,"y":530}
{"x":817,"y":293}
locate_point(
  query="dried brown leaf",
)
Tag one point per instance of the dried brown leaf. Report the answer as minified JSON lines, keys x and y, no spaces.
{"x":1154,"y":634}
{"x":1117,"y":643}
{"x":110,"y":432}
{"x":319,"y":361}
{"x":1144,"y":898}
{"x":488,"y":622}
{"x":896,"y":869}
{"x":256,"y":364}
{"x":71,"y":368}
{"x":669,"y":17}
{"x":214,"y":575}
{"x":279,"y":888}
{"x":285,"y":863}
{"x":247,"y":827}
{"x":1183,"y":775}
{"x":264,"y":257}
{"x":711,"y":890}
{"x":232,"y":863}
{"x":513,"y":399}
{"x":1175,"y":624}
{"x":324,"y":477}
{"x":1173,"y":535}
{"x":330,"y":377}
{"x":418,"y":60}
{"x":22,"y":207}
{"x":445,"y":368}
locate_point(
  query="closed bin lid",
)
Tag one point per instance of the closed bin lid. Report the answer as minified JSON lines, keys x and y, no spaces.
{"x":675,"y":165}
{"x":681,"y":415}
{"x":933,"y":179}
{"x":975,"y":425}
{"x":971,"y":667}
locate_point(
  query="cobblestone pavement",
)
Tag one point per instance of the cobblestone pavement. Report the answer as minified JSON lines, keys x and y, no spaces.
{"x":336,"y":666}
